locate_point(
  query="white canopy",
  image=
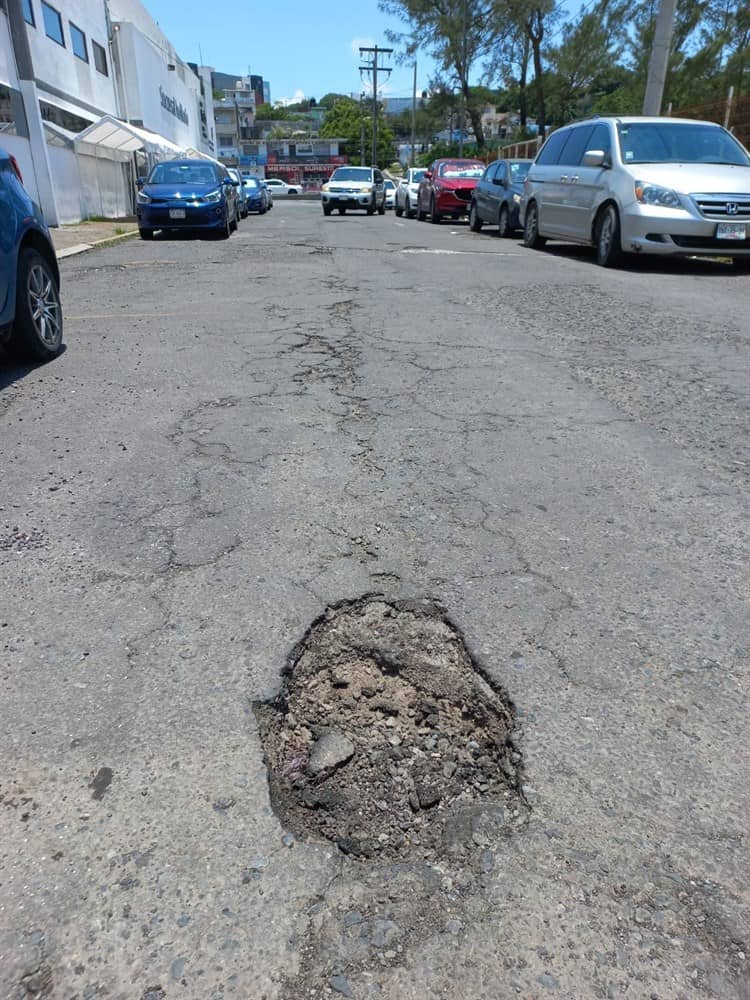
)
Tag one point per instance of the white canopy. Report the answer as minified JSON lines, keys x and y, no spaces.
{"x":126,"y":138}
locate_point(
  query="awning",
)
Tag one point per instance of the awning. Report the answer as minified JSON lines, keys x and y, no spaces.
{"x":123,"y":137}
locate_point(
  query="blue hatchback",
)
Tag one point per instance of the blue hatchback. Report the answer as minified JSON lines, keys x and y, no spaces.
{"x":31,"y":320}
{"x":187,"y":194}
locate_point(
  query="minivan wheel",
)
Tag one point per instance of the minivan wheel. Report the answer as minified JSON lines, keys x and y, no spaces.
{"x":608,"y":249}
{"x":38,"y":327}
{"x":531,"y":237}
{"x":475,"y":223}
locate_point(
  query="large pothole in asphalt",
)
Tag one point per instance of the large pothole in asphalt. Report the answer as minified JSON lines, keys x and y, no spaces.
{"x":386,"y":739}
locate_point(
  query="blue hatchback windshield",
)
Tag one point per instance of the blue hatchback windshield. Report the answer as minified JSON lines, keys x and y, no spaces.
{"x":182,"y":173}
{"x":678,"y":142}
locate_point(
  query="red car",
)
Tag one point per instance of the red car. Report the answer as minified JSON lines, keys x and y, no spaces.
{"x":446,"y":188}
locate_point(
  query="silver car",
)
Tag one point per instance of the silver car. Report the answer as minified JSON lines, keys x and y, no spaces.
{"x":668,"y":186}
{"x":406,"y":192}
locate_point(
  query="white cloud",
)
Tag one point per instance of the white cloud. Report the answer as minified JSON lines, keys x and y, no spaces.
{"x":357,"y":43}
{"x":299,"y":95}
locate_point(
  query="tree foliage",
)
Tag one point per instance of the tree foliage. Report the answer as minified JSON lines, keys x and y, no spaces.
{"x":351,"y":120}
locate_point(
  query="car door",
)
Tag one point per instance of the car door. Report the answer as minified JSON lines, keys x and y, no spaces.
{"x":8,"y":236}
{"x":549,"y":189}
{"x":568,"y":164}
{"x":588,"y":188}
{"x":481,"y":191}
{"x":498,"y":192}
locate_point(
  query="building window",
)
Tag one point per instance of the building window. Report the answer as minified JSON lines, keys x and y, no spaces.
{"x":28,"y":12}
{"x":70,"y":122}
{"x":78,"y":42}
{"x":12,"y":117}
{"x":52,"y":24}
{"x":100,"y":57}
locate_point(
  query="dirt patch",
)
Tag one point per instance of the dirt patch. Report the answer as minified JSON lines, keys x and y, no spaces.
{"x":386,"y":736}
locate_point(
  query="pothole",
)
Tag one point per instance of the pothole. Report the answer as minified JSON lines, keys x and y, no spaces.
{"x":387,"y":739}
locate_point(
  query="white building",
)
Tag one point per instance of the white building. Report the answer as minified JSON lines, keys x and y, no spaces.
{"x":85,"y":85}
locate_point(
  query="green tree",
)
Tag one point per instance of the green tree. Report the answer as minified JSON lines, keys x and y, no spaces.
{"x":456,"y":33}
{"x":346,"y":119}
{"x":267,"y":113}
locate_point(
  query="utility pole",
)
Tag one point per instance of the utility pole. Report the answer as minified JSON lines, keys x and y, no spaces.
{"x":372,"y":53}
{"x":463,"y":56}
{"x":362,"y":129}
{"x":657,"y":65}
{"x":413,"y":116}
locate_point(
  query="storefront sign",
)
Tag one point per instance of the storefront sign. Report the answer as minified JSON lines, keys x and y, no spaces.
{"x":173,"y":107}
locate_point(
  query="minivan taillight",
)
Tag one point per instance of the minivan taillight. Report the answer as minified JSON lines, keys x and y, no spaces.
{"x":16,"y":168}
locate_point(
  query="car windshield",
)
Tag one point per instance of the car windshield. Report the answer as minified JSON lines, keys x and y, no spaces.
{"x":518,"y":171}
{"x":461,"y":169}
{"x":390,"y":185}
{"x":182,"y":173}
{"x":678,"y":142}
{"x":352,"y":174}
{"x":250,"y":182}
{"x":416,"y":176}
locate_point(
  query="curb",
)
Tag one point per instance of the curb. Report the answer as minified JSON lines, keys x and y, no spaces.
{"x":83,"y":247}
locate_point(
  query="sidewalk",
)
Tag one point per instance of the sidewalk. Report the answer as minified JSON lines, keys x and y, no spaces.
{"x":69,"y":240}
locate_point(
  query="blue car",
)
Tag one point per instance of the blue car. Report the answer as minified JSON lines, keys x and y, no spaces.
{"x":187,"y":194}
{"x":256,"y":194}
{"x":31,"y":319}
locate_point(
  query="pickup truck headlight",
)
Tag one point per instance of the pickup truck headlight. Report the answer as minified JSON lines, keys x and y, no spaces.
{"x":653,"y":194}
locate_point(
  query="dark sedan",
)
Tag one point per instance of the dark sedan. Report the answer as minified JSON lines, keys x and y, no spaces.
{"x":256,"y":194}
{"x":446,"y":188}
{"x":497,"y":196}
{"x":31,"y":320}
{"x":187,"y":194}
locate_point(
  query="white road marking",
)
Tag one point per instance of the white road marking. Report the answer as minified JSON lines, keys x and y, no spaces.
{"x":486,"y":253}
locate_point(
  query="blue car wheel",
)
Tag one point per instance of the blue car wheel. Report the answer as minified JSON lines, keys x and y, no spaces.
{"x":38,"y":325}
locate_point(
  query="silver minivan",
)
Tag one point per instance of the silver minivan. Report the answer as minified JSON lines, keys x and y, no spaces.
{"x":641,"y":185}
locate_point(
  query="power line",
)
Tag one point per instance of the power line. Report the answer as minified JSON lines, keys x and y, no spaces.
{"x":374,"y":67}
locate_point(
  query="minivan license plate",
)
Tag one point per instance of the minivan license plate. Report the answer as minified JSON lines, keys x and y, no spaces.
{"x":177,"y":213}
{"x":731,"y":231}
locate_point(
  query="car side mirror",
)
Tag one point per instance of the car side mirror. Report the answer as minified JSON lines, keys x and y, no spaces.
{"x":595,"y":158}
{"x":140,"y":181}
{"x":228,"y":182}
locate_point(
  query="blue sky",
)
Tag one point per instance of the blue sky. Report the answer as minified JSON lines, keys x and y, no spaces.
{"x":297,"y":45}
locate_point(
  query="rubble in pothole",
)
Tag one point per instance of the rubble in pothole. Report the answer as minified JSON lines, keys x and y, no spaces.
{"x":386,"y":739}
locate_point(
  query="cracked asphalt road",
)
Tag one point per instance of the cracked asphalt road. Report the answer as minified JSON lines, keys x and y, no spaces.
{"x":241,"y":433}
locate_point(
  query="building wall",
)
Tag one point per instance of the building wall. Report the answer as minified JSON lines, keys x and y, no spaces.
{"x":60,"y":73}
{"x":162,"y":100}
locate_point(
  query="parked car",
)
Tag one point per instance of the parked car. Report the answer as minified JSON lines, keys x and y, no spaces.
{"x":390,"y":193}
{"x":354,"y":187}
{"x":31,"y":318}
{"x":446,"y":188}
{"x":187,"y":194}
{"x":667,"y":186}
{"x":280,"y":188}
{"x":269,"y":194}
{"x":407,"y":191}
{"x":497,"y":197}
{"x":256,"y":194}
{"x":241,"y":193}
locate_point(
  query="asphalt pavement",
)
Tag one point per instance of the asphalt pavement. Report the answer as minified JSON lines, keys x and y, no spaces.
{"x":242,"y":434}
